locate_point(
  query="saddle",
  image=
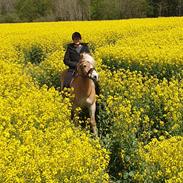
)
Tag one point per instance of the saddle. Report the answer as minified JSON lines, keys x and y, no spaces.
{"x":68,"y":77}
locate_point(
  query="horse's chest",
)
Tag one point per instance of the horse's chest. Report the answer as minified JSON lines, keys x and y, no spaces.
{"x":85,"y":102}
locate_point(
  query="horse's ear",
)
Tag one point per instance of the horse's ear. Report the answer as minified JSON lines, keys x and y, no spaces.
{"x":81,"y":55}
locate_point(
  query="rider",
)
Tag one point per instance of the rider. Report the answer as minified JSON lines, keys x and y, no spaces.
{"x":72,"y":56}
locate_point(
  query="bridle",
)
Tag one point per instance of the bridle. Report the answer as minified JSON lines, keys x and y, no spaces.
{"x":88,"y":74}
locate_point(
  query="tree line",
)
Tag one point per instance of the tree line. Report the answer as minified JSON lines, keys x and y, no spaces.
{"x":63,"y":10}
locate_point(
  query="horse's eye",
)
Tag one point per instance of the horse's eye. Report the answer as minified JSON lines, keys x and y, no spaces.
{"x":84,"y":66}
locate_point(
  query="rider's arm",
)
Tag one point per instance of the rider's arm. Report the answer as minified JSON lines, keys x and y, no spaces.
{"x":87,"y":50}
{"x":67,"y":60}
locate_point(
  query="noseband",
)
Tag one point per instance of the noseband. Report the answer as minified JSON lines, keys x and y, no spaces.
{"x":90,"y":72}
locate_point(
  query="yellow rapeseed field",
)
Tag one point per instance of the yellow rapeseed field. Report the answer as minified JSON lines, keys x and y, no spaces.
{"x":140,"y":108}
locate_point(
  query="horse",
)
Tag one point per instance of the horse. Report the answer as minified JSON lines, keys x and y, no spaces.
{"x":83,"y":84}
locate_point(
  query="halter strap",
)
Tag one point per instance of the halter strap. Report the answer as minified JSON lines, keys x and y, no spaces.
{"x":91,"y":70}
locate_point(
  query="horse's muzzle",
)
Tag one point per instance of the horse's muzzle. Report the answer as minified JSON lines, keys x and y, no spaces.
{"x":94,"y":75}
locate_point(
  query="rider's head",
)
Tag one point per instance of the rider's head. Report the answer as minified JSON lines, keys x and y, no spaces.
{"x":76,"y":37}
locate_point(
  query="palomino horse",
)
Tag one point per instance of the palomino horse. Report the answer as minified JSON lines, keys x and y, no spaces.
{"x":84,"y":88}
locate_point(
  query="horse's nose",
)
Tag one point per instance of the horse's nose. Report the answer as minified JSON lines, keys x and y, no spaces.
{"x":95,"y":77}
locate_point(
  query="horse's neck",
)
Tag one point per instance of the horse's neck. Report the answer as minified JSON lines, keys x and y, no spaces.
{"x":86,"y":86}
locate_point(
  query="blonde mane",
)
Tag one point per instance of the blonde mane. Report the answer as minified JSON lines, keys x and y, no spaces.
{"x":87,"y":57}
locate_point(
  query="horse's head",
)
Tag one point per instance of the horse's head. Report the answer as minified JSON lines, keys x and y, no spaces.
{"x":85,"y":67}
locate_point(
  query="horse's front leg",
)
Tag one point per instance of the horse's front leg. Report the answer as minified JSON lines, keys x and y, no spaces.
{"x":92,"y":110}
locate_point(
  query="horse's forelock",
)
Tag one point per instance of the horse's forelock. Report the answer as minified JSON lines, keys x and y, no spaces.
{"x":87,"y":57}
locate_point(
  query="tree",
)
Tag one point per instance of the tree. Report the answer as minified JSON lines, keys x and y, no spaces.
{"x":166,"y":7}
{"x":35,"y":10}
{"x":30,"y":10}
{"x":133,"y":8}
{"x":96,"y":9}
{"x":6,"y":6}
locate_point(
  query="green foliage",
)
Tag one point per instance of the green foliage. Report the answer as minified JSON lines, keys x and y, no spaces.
{"x":9,"y":17}
{"x":104,"y":10}
{"x":49,"y":10}
{"x":48,"y":71}
{"x":29,"y":10}
{"x":34,"y":54}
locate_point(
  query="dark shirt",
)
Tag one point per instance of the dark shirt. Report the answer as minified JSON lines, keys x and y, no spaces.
{"x":72,"y":57}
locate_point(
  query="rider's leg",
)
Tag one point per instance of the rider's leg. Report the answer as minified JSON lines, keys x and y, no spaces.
{"x":68,"y":78}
